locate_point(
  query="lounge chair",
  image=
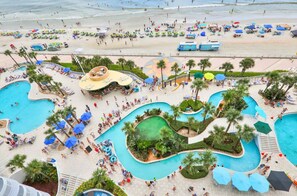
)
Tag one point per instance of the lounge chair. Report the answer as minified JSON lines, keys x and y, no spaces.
{"x":291,"y":102}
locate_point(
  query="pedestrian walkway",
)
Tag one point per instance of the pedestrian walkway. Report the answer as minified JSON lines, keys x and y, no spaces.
{"x":73,"y":183}
{"x":269,"y":144}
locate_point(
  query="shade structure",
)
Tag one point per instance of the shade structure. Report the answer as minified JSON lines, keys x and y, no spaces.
{"x":259,"y":183}
{"x":79,"y":128}
{"x":241,"y":181}
{"x":220,"y":77}
{"x":86,"y":116}
{"x":39,"y":62}
{"x":221,"y":175}
{"x":239,"y":31}
{"x":262,"y":127}
{"x":209,"y":76}
{"x":68,"y":116}
{"x":198,"y":75}
{"x":71,"y":141}
{"x":203,"y":34}
{"x":48,"y":141}
{"x":66,"y":70}
{"x":260,"y":111}
{"x":279,"y":180}
{"x":60,"y":125}
{"x":267,"y":26}
{"x":149,"y":80}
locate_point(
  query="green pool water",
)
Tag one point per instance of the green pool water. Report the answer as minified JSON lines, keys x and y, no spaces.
{"x":150,"y":128}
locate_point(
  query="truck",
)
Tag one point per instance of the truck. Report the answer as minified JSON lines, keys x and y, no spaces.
{"x":187,"y":46}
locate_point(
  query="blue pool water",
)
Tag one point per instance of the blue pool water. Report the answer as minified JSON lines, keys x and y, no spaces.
{"x":161,"y":169}
{"x":31,"y":113}
{"x":23,"y":68}
{"x":286,"y":132}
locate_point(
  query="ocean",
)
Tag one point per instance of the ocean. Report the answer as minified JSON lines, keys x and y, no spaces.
{"x":14,"y":10}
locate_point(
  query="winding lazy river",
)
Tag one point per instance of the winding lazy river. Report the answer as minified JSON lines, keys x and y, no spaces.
{"x":162,"y":168}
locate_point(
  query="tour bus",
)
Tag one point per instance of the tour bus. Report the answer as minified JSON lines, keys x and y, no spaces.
{"x":210,"y":46}
{"x":187,"y":46}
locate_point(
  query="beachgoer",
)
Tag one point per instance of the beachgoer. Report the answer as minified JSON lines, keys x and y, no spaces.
{"x":95,"y":104}
{"x":174,"y":188}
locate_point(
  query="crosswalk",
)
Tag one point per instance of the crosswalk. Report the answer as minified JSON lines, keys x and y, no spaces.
{"x":69,"y":189}
{"x":269,"y":144}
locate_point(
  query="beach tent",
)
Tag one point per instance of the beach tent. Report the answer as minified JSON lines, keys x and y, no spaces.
{"x":198,"y":75}
{"x":221,"y":175}
{"x":267,"y":26}
{"x":294,"y":33}
{"x":262,"y":127}
{"x":251,"y":27}
{"x":280,"y":28}
{"x":238,"y":31}
{"x":79,"y":128}
{"x":220,"y":77}
{"x":259,"y":183}
{"x":279,"y":180}
{"x":86,"y":116}
{"x":60,"y":125}
{"x":50,"y":140}
{"x":149,"y":80}
{"x":260,"y":111}
{"x":71,"y":141}
{"x":203,"y":34}
{"x":241,"y":181}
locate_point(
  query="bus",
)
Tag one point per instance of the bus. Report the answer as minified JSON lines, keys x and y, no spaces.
{"x":187,"y":46}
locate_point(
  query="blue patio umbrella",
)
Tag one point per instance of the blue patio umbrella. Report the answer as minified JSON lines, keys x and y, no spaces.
{"x":267,"y":26}
{"x":221,"y":175}
{"x":71,"y":141}
{"x":241,"y":181}
{"x":39,"y":62}
{"x":86,"y":116}
{"x":220,"y":77}
{"x":149,"y":80}
{"x":203,"y":34}
{"x":60,"y":125}
{"x":238,"y":31}
{"x":260,"y":111}
{"x":48,"y":141}
{"x":79,"y":128}
{"x":66,"y":70}
{"x":68,"y":116}
{"x":259,"y":183}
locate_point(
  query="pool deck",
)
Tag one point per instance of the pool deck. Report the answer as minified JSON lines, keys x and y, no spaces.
{"x":81,"y":165}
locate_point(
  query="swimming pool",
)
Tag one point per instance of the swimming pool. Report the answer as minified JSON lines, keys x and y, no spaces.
{"x":31,"y":113}
{"x":160,"y":169}
{"x":286,"y":130}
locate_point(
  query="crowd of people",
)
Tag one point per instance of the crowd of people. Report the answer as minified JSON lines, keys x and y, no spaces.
{"x":16,"y":77}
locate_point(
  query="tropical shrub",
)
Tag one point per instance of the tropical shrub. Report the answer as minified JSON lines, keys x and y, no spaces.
{"x":195,"y":106}
{"x":200,"y":173}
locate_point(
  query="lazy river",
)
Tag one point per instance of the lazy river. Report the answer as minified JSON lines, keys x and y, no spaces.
{"x":161,"y":169}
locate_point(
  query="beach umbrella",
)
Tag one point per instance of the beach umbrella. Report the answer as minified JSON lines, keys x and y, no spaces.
{"x":198,"y":75}
{"x":267,"y":26}
{"x":220,"y":77}
{"x":262,"y":127}
{"x":86,"y":116}
{"x":260,"y":111}
{"x":259,"y":183}
{"x":241,"y":181}
{"x":208,"y":76}
{"x":202,"y":34}
{"x":149,"y":80}
{"x":79,"y":128}
{"x":239,"y":31}
{"x":48,"y":141}
{"x":60,"y":125}
{"x":66,"y":69}
{"x":279,"y":180}
{"x":68,"y":116}
{"x":71,"y":141}
{"x":221,"y":175}
{"x":39,"y":62}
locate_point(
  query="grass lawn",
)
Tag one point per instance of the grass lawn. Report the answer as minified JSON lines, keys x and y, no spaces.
{"x":150,"y":128}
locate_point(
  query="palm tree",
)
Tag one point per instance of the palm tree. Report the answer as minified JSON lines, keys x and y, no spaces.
{"x":227,"y":67}
{"x":57,"y":86}
{"x":8,"y":53}
{"x":291,"y":82}
{"x":55,"y":59}
{"x":246,"y":63}
{"x":33,"y":77}
{"x":161,"y":65}
{"x":175,"y":69}
{"x":106,"y":62}
{"x":34,"y":172}
{"x":53,"y":120}
{"x":190,"y":162}
{"x":204,"y":63}
{"x":198,"y":85}
{"x":63,"y":114}
{"x":233,"y":116}
{"x":130,"y":64}
{"x":129,"y":129}
{"x":16,"y":162}
{"x":99,"y":177}
{"x":32,"y":55}
{"x":95,"y":61}
{"x":208,"y":109}
{"x":121,"y":62}
{"x":22,"y":53}
{"x":46,"y":79}
{"x":166,"y":134}
{"x":218,"y":135}
{"x":207,"y":159}
{"x":71,"y":110}
{"x":191,"y":120}
{"x":191,"y":63}
{"x":272,"y":77}
{"x":52,"y":132}
{"x":176,"y":112}
{"x":245,"y":133}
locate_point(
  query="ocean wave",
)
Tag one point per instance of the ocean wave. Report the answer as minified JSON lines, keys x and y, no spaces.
{"x":194,"y":6}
